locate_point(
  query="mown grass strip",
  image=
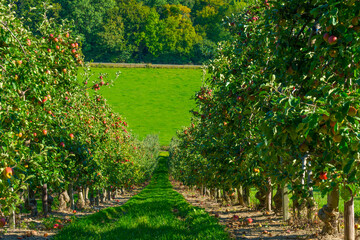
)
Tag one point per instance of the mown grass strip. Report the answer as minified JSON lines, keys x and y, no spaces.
{"x":158,"y":212}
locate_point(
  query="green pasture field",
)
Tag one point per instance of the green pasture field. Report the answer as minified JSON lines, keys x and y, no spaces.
{"x":153,"y":100}
{"x":158,"y":212}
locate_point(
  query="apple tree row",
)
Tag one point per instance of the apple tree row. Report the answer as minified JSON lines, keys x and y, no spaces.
{"x":281,"y":108}
{"x":54,"y":135}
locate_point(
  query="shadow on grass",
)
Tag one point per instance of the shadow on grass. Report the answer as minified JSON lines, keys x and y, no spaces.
{"x":158,"y":212}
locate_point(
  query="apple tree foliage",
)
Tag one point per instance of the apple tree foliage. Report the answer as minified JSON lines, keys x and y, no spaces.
{"x":282,"y":102}
{"x":52,"y":131}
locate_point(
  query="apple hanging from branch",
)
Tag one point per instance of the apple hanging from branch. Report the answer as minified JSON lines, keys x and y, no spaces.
{"x":8,"y":172}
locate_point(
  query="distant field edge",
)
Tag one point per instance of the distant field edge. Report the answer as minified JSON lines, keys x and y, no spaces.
{"x":142,"y":65}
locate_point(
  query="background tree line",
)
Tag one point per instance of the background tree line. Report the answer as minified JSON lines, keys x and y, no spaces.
{"x":157,"y":31}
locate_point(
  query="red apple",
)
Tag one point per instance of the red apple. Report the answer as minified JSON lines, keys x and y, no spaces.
{"x":44,"y":132}
{"x":2,"y":222}
{"x":249,"y":220}
{"x":332,"y":40}
{"x":323,"y":176}
{"x":8,"y":172}
{"x":326,"y":37}
{"x":51,"y":35}
{"x":71,"y":136}
{"x":62,"y":144}
{"x":49,"y":50}
{"x":352,"y":112}
{"x":56,"y":39}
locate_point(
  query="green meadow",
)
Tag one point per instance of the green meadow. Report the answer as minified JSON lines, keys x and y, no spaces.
{"x":153,"y":100}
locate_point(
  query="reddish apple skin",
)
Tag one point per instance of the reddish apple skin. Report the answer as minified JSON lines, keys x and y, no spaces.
{"x":332,"y":40}
{"x":326,"y":37}
{"x":2,"y":222}
{"x":249,"y":220}
{"x":8,"y":172}
{"x":323,"y":176}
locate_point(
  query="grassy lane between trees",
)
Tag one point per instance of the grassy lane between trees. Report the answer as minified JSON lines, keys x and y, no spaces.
{"x":158,"y":212}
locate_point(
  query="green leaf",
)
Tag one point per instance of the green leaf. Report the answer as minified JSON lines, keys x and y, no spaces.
{"x":345,"y":108}
{"x":348,"y":165}
{"x":344,"y":148}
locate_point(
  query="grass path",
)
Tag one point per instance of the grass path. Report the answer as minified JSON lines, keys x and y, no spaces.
{"x":158,"y":212}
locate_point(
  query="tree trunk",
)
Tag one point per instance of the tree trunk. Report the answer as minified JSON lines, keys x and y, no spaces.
{"x":103,"y":195}
{"x":247,"y":196}
{"x":71,"y":195}
{"x":240,"y":196}
{"x":97,"y":199}
{"x":63,"y":200}
{"x":329,"y":212}
{"x":261,"y":196}
{"x":108,"y":196}
{"x":81,"y":201}
{"x":45,"y":205}
{"x":226,"y":197}
{"x":91,"y":197}
{"x":86,"y":195}
{"x":277,"y":199}
{"x":349,"y":219}
{"x":285,"y":202}
{"x":269,"y":195}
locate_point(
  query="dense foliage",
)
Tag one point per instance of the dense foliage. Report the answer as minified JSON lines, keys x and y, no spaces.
{"x":281,"y":107}
{"x":157,"y":31}
{"x":53,"y":133}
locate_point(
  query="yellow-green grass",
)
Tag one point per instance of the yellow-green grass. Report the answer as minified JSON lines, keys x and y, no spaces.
{"x":158,"y":212}
{"x":153,"y":100}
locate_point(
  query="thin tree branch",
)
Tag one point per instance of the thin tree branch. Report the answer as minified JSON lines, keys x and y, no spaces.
{"x":6,"y":28}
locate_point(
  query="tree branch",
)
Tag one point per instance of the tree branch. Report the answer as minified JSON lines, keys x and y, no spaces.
{"x":6,"y":28}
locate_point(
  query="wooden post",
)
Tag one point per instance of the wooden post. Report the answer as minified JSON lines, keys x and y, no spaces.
{"x":349,"y":219}
{"x":12,"y":219}
{"x":269,"y":195}
{"x":285,"y":203}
